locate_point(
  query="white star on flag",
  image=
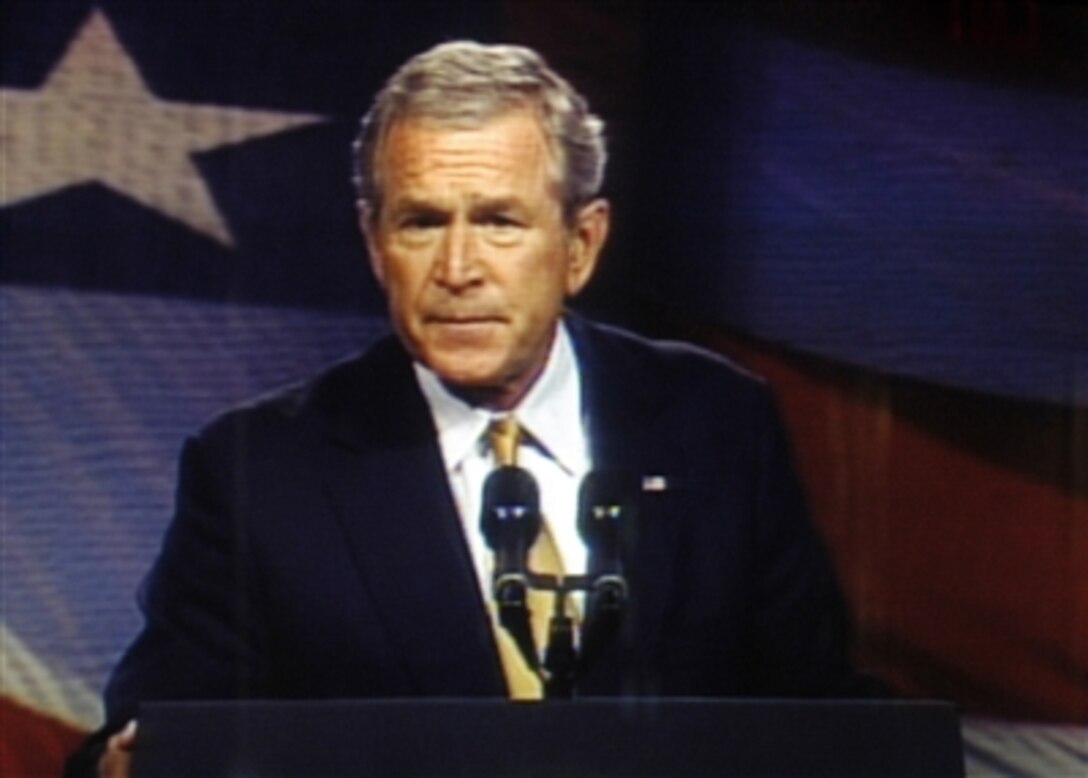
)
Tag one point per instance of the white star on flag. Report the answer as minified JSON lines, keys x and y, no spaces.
{"x":95,"y":120}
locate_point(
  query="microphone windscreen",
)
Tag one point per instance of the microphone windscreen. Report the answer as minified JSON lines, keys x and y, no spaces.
{"x":510,"y":513}
{"x":601,"y":505}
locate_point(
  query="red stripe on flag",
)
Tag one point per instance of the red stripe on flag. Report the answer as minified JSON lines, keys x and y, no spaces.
{"x":959,"y":523}
{"x":31,"y":743}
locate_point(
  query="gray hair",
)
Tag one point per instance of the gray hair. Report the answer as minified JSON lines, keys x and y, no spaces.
{"x":464,"y":84}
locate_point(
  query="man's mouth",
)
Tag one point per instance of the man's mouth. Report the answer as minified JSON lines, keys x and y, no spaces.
{"x":463,"y":319}
{"x":465,"y":330}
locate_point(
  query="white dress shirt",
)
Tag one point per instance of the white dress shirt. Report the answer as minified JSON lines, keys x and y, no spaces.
{"x":556,"y":453}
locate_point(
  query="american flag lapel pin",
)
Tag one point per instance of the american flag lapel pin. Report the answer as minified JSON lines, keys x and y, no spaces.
{"x":654,"y":483}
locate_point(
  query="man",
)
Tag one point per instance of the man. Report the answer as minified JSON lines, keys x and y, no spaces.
{"x":327,"y":540}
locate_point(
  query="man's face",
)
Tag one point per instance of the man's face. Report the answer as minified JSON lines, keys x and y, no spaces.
{"x":473,"y":253}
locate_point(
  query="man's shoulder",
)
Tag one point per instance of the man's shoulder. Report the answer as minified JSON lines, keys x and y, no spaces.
{"x":684,"y":397}
{"x":339,"y":389}
{"x":617,"y":350}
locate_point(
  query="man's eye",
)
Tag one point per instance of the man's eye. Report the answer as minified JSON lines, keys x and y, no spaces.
{"x":502,"y":221}
{"x":420,"y":222}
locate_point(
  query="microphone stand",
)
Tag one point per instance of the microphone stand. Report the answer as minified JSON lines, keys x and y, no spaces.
{"x":563,"y":663}
{"x":560,"y":657}
{"x":560,"y":667}
{"x":511,"y":521}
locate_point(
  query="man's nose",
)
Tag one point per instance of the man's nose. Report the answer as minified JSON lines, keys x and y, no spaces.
{"x":457,"y":265}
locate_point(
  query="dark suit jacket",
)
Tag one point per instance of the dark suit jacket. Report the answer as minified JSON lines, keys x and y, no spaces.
{"x":316,"y":550}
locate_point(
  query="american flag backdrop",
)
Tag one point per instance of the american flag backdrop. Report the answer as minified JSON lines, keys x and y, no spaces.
{"x":178,"y":234}
{"x":900,"y":243}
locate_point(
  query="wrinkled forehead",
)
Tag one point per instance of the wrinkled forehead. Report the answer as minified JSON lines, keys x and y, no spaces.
{"x":513,"y":143}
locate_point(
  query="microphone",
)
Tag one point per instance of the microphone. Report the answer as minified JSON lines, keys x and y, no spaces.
{"x":510,"y":521}
{"x":602,"y":510}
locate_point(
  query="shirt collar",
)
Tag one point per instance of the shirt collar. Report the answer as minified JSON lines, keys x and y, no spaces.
{"x":551,"y":411}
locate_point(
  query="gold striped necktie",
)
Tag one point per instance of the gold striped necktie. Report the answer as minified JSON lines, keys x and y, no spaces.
{"x":505,"y":437}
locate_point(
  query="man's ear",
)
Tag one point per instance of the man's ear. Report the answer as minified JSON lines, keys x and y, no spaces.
{"x":587,"y":238}
{"x":368,"y":225}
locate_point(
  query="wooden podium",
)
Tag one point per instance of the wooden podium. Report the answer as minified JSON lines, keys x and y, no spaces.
{"x":579,"y":739}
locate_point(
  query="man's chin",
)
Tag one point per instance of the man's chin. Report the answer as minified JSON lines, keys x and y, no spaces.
{"x":460,"y":371}
{"x":486,"y":377}
{"x":480,"y":386}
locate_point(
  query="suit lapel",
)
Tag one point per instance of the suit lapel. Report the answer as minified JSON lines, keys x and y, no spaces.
{"x":389,"y":490}
{"x":624,"y":407}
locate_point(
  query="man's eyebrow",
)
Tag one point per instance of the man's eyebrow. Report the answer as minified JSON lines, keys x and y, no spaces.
{"x":411,"y":204}
{"x":494,"y":204}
